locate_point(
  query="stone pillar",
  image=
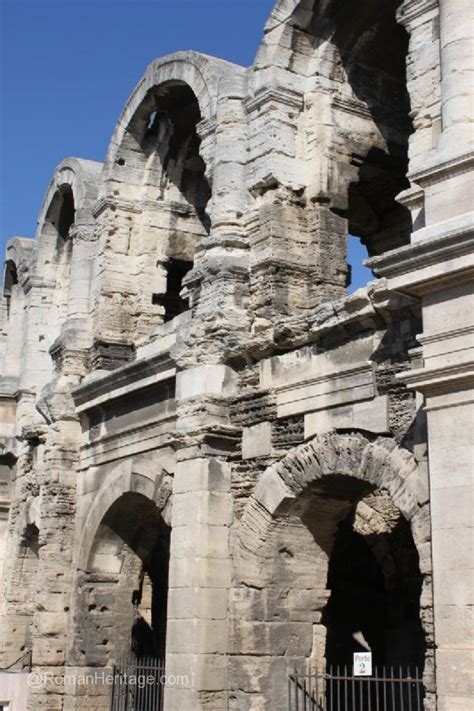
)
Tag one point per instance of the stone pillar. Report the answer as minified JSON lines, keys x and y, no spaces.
{"x":197,"y":636}
{"x":84,"y":252}
{"x":200,"y":571}
{"x":219,"y":282}
{"x":115,"y":278}
{"x":50,"y":626}
{"x":57,"y":490}
{"x":457,"y":74}
{"x":229,"y":198}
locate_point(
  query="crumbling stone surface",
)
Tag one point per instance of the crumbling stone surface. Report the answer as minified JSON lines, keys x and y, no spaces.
{"x":204,"y":439}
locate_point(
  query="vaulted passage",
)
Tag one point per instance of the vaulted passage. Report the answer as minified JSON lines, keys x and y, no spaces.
{"x":332,"y":569}
{"x":125,"y":588}
{"x":375,"y":587}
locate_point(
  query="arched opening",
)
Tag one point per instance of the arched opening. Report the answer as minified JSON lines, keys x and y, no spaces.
{"x":15,"y":303}
{"x":161,"y":161}
{"x":375,"y":587}
{"x":370,"y":570}
{"x":10,"y":281}
{"x":21,"y":594}
{"x":327,"y":558}
{"x":355,"y":126}
{"x":172,"y":114}
{"x":125,"y":587}
{"x":60,"y":218}
{"x":55,"y":251}
{"x":375,"y":81}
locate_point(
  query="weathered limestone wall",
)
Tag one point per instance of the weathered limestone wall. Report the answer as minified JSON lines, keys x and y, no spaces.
{"x":437,"y":269}
{"x":194,"y":415}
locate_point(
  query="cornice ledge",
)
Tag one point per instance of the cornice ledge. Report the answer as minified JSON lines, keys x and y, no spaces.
{"x":454,"y":238}
{"x":432,"y":381}
{"x":288,"y":97}
{"x":436,"y":170}
{"x":115,"y":204}
{"x":133,"y":376}
{"x":413,"y":9}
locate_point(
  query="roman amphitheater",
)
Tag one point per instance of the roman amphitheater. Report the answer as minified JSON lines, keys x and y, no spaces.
{"x":216,"y":462}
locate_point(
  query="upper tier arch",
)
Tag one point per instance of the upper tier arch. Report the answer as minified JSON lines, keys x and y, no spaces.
{"x":202,"y":73}
{"x":79,"y":176}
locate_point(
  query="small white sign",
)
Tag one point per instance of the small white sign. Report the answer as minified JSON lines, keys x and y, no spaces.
{"x":362,"y":663}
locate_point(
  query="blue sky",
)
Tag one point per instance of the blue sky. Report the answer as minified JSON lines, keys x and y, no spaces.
{"x":68,"y":67}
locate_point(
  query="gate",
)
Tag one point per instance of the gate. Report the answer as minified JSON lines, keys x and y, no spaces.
{"x":138,"y":685}
{"x":388,"y":689}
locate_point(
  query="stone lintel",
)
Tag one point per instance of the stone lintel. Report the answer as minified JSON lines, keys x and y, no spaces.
{"x":206,"y":380}
{"x":352,"y":384}
{"x":369,"y":415}
{"x":414,"y":10}
{"x":145,"y":437}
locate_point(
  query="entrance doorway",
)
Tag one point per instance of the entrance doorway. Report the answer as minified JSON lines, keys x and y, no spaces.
{"x":125,"y":587}
{"x":375,"y":585}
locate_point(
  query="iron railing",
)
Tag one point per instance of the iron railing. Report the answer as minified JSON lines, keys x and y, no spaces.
{"x":138,"y":685}
{"x":388,"y":689}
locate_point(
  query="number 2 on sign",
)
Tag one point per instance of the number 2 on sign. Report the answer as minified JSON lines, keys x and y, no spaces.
{"x":362,"y":664}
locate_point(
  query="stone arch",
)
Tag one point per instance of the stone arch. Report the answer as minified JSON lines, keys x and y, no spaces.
{"x":145,"y":477}
{"x":285,"y":541}
{"x":17,"y":267}
{"x":68,"y":203}
{"x":64,"y":249}
{"x":380,"y":462}
{"x":19,"y":252}
{"x":120,"y":599}
{"x":157,"y":187}
{"x":201,"y":73}
{"x":349,"y":95}
{"x":79,"y":177}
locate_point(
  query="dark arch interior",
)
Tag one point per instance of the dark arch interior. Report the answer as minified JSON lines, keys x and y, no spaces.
{"x":166,"y":124}
{"x":375,"y":585}
{"x":176,"y":108}
{"x":10,"y":280}
{"x":370,"y":53}
{"x":139,"y":524}
{"x":363,"y":32}
{"x":10,"y":277}
{"x":66,"y":213}
{"x":30,"y":540}
{"x":59,"y":219}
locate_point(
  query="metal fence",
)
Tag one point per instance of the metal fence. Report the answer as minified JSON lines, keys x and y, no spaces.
{"x":388,"y":689}
{"x":138,"y":685}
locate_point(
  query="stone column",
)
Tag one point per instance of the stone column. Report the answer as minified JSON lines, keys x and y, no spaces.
{"x":457,"y":74}
{"x":219,"y":282}
{"x":200,"y":572}
{"x":197,"y":636}
{"x":114,"y":285}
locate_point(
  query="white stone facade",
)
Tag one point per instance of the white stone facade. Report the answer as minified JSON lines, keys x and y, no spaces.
{"x":198,"y":423}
